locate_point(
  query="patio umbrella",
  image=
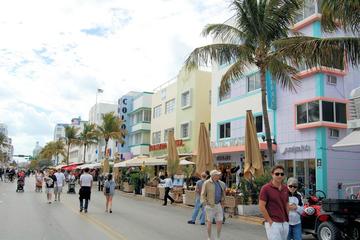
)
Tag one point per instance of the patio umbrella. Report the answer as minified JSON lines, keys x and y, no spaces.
{"x":253,"y":159}
{"x":204,"y":159}
{"x":173,"y":157}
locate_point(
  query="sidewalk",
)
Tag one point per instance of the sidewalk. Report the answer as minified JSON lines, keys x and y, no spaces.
{"x":247,"y":219}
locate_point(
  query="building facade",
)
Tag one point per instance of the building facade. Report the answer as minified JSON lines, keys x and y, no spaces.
{"x":304,"y":125}
{"x":95,"y":153}
{"x":180,"y":106}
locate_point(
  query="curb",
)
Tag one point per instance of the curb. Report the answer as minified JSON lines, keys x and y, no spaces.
{"x":247,"y":219}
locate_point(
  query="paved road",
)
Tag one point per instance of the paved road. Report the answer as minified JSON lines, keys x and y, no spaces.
{"x":27,"y":215}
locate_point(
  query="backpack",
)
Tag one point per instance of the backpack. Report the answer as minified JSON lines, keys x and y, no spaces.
{"x":107,"y":187}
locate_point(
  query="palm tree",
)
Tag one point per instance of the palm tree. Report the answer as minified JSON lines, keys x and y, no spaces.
{"x":251,"y":41}
{"x":336,"y":14}
{"x":53,"y":148}
{"x":71,"y":138}
{"x":88,"y":136}
{"x":111,"y":129}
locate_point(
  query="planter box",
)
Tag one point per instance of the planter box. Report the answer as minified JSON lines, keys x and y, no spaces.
{"x":189,"y":198}
{"x":161,"y":193}
{"x":151,"y":191}
{"x":232,"y":201}
{"x":128,"y":188}
{"x":248,"y":210}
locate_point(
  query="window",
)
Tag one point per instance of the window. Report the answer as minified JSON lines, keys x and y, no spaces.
{"x":166,"y":133}
{"x":331,"y":79}
{"x":136,"y":139}
{"x":334,"y":133}
{"x":156,"y":137}
{"x":163,"y":94}
{"x":185,"y":130}
{"x":185,"y":99}
{"x":157,"y":111}
{"x":259,"y":124}
{"x":328,"y":111}
{"x":226,"y":95}
{"x":169,"y":106}
{"x":310,"y":7}
{"x":147,"y":115}
{"x":253,"y":82}
{"x":331,"y":112}
{"x":225,"y":130}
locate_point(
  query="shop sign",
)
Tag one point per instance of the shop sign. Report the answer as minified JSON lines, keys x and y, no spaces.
{"x":229,"y":142}
{"x":224,"y":158}
{"x":161,"y":146}
{"x":296,"y":149}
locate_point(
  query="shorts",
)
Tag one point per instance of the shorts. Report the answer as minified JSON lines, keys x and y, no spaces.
{"x":215,"y":212}
{"x":58,"y":189}
{"x":277,"y":230}
{"x":49,"y":190}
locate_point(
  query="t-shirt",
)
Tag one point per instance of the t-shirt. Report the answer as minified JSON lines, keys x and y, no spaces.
{"x":60,"y":178}
{"x":218,"y":192}
{"x":86,"y":179}
{"x":276,"y":201}
{"x":50,"y":181}
{"x":199,"y":184}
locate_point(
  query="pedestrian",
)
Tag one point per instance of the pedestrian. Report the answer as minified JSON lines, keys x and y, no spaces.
{"x":86,"y":181}
{"x":100,"y":182}
{"x":50,"y":180}
{"x":274,"y":205}
{"x":60,"y":182}
{"x":39,"y":179}
{"x":296,"y":208}
{"x":109,"y":190}
{"x":212,"y":198}
{"x":168,"y":186}
{"x":1,"y":173}
{"x":198,"y":206}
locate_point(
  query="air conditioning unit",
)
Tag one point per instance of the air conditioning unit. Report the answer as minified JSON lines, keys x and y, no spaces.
{"x":354,"y":109}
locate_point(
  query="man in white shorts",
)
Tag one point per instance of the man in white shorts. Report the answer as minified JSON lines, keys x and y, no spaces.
{"x":60,"y":182}
{"x":212,"y":197}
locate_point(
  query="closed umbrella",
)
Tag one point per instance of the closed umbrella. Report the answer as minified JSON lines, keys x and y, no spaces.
{"x":173,"y":157}
{"x":204,"y":159}
{"x":253,"y":159}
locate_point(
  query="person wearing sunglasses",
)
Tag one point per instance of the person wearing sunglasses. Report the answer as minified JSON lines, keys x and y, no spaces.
{"x":274,"y":205}
{"x":296,"y":208}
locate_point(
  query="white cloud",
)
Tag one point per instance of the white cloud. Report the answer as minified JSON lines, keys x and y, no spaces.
{"x":55,"y":54}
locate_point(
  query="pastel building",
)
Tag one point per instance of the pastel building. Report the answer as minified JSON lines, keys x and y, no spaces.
{"x":125,"y":106}
{"x":137,"y":121}
{"x":180,"y":105}
{"x":304,"y":125}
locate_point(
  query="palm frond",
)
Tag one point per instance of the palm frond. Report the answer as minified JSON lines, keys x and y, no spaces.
{"x":233,"y":74}
{"x":219,"y":53}
{"x":223,"y":32}
{"x":315,"y":52}
{"x":283,"y":73}
{"x":341,"y":13}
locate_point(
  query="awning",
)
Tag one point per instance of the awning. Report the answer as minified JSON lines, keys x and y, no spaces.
{"x":352,"y":139}
{"x":90,"y":166}
{"x":140,"y":161}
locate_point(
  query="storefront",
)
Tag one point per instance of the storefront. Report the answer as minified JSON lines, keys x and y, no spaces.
{"x":299,"y":162}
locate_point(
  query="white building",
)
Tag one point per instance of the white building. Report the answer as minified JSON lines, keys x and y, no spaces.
{"x":37,"y":149}
{"x":96,"y":152}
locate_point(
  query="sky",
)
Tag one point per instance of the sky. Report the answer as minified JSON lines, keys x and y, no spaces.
{"x":54,"y":55}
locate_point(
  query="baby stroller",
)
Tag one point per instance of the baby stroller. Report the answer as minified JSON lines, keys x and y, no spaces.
{"x":20,"y":184}
{"x":71,"y":186}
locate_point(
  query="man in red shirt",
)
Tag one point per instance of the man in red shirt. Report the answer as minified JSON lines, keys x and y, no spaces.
{"x":273,"y":204}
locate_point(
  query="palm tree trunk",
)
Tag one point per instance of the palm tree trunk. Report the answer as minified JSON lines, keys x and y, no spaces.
{"x":106,"y":143}
{"x":68,"y":153}
{"x":266,"y":116}
{"x":84,"y":152}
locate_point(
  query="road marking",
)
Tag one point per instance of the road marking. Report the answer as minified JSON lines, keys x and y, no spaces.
{"x":105,"y":228}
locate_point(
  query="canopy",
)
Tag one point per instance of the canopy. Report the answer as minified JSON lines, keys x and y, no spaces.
{"x":90,"y":165}
{"x":352,"y":139}
{"x":253,"y":159}
{"x":140,"y":161}
{"x":184,"y":162}
{"x":59,"y":166}
{"x":204,"y":160}
{"x":71,"y":166}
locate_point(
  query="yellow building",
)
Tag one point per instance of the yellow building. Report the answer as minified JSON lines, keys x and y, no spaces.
{"x":180,"y":104}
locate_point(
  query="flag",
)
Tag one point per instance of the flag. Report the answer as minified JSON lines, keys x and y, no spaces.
{"x":100,"y":90}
